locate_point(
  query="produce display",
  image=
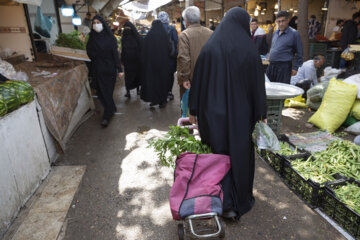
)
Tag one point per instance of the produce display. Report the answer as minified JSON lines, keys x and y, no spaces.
{"x":13,"y":94}
{"x":3,"y":107}
{"x":286,"y":150}
{"x":340,"y":157}
{"x":24,"y":90}
{"x":10,"y":97}
{"x":350,"y":195}
{"x":178,"y":140}
{"x":75,"y":39}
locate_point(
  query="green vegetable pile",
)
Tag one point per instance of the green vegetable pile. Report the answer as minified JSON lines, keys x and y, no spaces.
{"x":286,"y":150}
{"x":178,"y":140}
{"x":340,"y":157}
{"x":350,"y":195}
{"x":75,"y":40}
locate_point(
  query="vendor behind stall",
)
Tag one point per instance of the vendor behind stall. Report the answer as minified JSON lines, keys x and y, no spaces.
{"x":306,"y":75}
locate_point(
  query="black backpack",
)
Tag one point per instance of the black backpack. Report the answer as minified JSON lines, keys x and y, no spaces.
{"x":173,"y":53}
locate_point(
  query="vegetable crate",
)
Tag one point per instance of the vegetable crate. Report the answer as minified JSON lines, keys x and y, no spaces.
{"x":308,"y":190}
{"x":346,"y":217}
{"x":276,"y":160}
{"x":274,"y":111}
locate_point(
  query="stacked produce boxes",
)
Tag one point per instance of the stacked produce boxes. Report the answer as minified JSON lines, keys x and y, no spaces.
{"x":315,"y":179}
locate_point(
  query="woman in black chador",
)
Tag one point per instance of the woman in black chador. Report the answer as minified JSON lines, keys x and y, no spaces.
{"x":130,"y":56}
{"x":156,"y":66}
{"x":105,"y":65}
{"x":228,"y":97}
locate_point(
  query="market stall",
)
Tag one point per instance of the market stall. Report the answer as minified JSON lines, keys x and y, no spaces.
{"x":60,"y":84}
{"x":39,"y":111}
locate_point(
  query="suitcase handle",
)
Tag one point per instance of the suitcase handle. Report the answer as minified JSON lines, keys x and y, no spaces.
{"x":182,"y":121}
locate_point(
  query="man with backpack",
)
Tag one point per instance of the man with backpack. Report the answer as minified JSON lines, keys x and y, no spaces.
{"x":173,"y":52}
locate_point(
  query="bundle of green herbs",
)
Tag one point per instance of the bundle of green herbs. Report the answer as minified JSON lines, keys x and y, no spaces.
{"x":176,"y":141}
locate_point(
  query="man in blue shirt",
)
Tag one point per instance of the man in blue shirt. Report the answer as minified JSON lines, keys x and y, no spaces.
{"x":285,"y":43}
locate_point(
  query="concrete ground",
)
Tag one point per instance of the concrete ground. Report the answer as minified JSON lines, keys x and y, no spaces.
{"x":124,"y":192}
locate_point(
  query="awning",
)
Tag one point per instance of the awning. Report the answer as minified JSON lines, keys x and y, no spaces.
{"x":143,"y":6}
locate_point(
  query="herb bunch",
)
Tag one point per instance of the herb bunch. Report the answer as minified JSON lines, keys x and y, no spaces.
{"x":176,"y":141}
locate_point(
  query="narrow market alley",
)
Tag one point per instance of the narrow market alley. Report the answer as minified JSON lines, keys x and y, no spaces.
{"x":124,"y":191}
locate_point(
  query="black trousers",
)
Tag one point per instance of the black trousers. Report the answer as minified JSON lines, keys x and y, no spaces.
{"x":105,"y":84}
{"x":279,"y":72}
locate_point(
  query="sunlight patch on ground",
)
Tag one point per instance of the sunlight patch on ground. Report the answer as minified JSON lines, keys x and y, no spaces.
{"x":145,"y":184}
{"x":293,"y":113}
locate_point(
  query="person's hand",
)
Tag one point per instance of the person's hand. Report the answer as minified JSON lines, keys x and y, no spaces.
{"x":293,"y":72}
{"x":186,"y":84}
{"x":120,"y":74}
{"x":192,"y":119}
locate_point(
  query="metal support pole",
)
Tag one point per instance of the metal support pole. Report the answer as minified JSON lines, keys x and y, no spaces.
{"x":205,"y":13}
{"x":222,"y":9}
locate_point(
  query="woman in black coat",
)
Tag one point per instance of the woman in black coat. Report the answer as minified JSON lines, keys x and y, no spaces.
{"x":105,"y":65}
{"x":130,"y":56}
{"x":228,"y":97}
{"x":156,"y":66}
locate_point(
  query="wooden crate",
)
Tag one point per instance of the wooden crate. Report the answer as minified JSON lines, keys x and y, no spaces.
{"x":76,"y":54}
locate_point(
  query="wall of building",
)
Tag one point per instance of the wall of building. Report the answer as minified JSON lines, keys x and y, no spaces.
{"x":14,"y":16}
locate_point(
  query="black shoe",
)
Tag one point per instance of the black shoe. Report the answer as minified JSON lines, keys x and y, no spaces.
{"x":230,"y":215}
{"x":127,"y":95}
{"x":171,"y":96}
{"x":104,"y":123}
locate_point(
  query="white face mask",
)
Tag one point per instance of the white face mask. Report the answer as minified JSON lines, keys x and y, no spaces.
{"x":98,"y":27}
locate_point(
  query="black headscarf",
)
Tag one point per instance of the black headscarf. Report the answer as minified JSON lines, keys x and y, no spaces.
{"x":293,"y":23}
{"x":228,"y":96}
{"x":104,"y":40}
{"x":156,"y":65}
{"x":130,"y":43}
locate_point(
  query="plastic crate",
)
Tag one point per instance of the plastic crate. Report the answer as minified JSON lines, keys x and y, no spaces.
{"x":274,"y":111}
{"x":317,"y":49}
{"x":308,"y":190}
{"x":276,"y":160}
{"x":347,"y":218}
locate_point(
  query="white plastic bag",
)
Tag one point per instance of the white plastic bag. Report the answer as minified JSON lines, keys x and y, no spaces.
{"x":6,"y":69}
{"x":354,"y":129}
{"x":265,"y":138}
{"x":354,"y":80}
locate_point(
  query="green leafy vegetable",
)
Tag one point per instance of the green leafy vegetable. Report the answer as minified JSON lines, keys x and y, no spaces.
{"x":178,"y":140}
{"x":74,"y":40}
{"x":350,"y":195}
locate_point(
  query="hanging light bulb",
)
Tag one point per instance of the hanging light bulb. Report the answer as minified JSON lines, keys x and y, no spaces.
{"x":262,"y":13}
{"x":76,"y":20}
{"x":116,"y":23}
{"x":256,"y":13}
{"x":67,"y":11}
{"x":325,"y":8}
{"x":291,"y":9}
{"x":276,"y":6}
